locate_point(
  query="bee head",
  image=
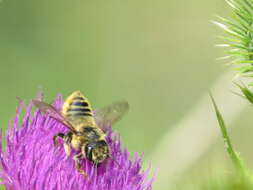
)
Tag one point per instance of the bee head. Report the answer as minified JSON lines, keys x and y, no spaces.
{"x":97,"y":151}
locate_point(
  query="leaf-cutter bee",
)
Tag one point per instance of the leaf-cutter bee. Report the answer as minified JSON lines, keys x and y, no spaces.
{"x":87,"y":128}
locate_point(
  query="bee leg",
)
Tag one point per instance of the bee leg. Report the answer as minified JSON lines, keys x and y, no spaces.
{"x":67,"y":143}
{"x":61,"y":135}
{"x":78,"y":159}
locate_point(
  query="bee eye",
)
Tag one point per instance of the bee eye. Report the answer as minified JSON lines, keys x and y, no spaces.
{"x":88,"y":151}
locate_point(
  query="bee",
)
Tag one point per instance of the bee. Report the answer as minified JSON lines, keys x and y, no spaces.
{"x":87,"y":128}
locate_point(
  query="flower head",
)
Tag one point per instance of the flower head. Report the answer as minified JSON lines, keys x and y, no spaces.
{"x":31,"y":162}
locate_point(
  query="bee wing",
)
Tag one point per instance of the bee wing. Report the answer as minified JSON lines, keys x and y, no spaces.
{"x":108,"y":115}
{"x":52,"y":112}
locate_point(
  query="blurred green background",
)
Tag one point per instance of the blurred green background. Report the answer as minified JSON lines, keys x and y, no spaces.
{"x":159,"y":55}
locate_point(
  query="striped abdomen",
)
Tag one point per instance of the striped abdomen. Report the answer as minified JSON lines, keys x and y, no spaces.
{"x":77,"y":109}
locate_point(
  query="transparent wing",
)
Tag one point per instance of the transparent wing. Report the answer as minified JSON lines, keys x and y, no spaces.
{"x":108,"y":115}
{"x":52,"y":112}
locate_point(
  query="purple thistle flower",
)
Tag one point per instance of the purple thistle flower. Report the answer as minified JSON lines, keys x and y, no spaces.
{"x":31,"y":162}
